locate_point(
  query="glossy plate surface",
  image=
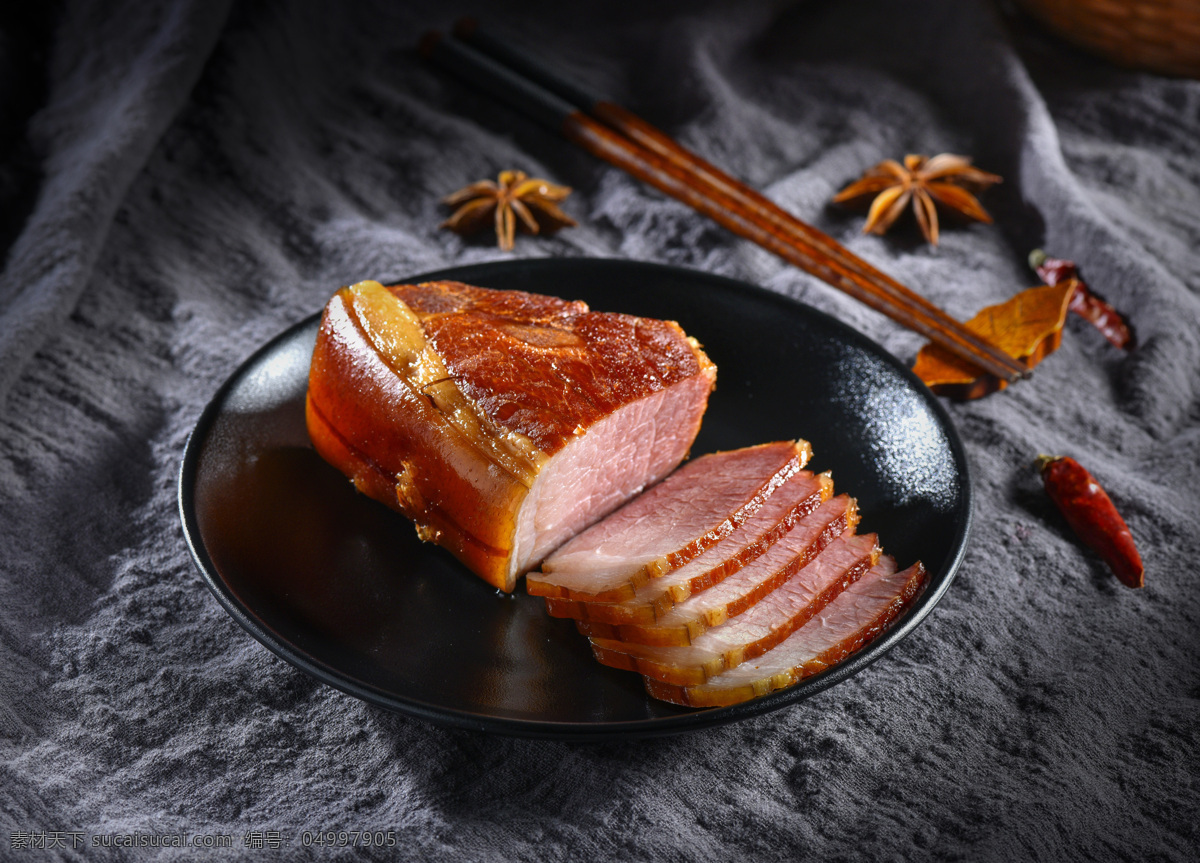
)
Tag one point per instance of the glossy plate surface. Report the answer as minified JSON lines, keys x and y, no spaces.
{"x":339,"y":586}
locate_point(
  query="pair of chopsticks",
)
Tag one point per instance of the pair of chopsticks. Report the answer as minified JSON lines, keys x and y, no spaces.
{"x":618,"y":136}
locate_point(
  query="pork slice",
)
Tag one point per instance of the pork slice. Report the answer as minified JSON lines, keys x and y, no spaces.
{"x":502,"y":423}
{"x":686,"y":621}
{"x":858,"y":615}
{"x":752,"y":633}
{"x":795,"y":501}
{"x":669,"y":524}
{"x":594,"y":473}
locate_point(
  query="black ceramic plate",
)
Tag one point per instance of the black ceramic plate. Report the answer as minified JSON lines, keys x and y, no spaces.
{"x":339,"y":586}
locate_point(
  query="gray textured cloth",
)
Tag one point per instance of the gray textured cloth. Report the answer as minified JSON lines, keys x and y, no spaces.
{"x":201,"y":178}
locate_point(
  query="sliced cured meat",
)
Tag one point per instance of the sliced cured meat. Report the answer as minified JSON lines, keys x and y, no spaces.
{"x":795,"y":501}
{"x":752,"y":633}
{"x":687,"y":620}
{"x":669,"y":524}
{"x":502,"y":423}
{"x":856,"y":617}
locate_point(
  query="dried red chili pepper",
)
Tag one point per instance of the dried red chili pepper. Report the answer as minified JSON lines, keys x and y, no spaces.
{"x":1084,"y":303}
{"x":1091,"y":514}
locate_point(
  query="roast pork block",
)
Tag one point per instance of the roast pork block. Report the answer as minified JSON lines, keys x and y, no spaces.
{"x":501,"y":422}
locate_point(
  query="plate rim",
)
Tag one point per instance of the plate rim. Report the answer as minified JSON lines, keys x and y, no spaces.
{"x":693,"y":720}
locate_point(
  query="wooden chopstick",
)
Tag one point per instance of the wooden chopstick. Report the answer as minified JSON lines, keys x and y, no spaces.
{"x":652,"y":138}
{"x":811,"y":241}
{"x":648,"y":154}
{"x":822,"y":256}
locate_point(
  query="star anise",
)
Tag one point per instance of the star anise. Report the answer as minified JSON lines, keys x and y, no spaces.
{"x":515,"y":199}
{"x":947,"y":179}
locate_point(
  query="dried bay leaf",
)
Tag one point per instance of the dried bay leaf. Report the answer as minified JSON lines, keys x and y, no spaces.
{"x":1027,"y":326}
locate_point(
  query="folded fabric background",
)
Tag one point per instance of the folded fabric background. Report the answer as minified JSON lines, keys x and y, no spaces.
{"x":189,"y":179}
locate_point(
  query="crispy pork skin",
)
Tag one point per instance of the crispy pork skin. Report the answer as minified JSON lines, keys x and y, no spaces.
{"x":501,"y":422}
{"x":752,"y":633}
{"x":687,"y":620}
{"x":670,"y":524}
{"x":856,"y":617}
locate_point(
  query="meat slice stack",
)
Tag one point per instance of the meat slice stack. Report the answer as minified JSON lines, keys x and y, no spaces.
{"x":802,"y":494}
{"x":669,"y":525}
{"x":857,"y":615}
{"x":691,"y":615}
{"x":739,"y":574}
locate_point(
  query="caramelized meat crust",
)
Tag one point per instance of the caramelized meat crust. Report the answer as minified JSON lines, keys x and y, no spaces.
{"x":544,"y":367}
{"x":500,"y":422}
